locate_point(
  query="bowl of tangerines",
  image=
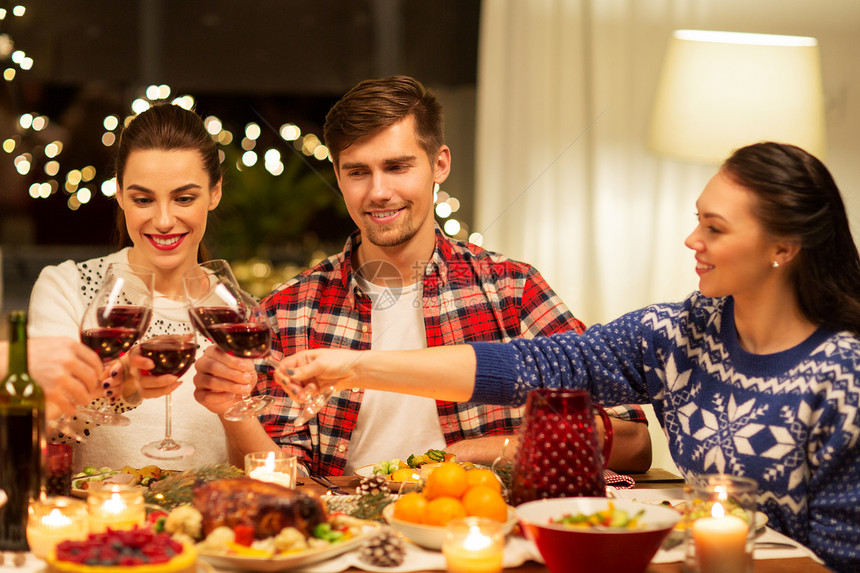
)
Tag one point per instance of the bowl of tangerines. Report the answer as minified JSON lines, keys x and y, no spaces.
{"x":450,"y":492}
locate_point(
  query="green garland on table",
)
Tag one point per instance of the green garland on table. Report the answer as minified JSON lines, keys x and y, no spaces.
{"x":178,"y":489}
{"x":370,"y":506}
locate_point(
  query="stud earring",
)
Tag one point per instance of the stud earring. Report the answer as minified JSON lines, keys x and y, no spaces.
{"x":775,"y":264}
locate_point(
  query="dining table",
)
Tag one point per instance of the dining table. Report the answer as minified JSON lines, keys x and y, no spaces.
{"x":654,"y":478}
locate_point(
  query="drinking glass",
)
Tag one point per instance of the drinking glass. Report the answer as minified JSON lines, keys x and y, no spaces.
{"x":719,"y":523}
{"x":315,"y":398}
{"x":115,"y":319}
{"x":232,"y":320}
{"x":172,"y":354}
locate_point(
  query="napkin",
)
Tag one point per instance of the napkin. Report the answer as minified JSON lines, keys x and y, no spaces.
{"x":770,"y":535}
{"x":518,"y":550}
{"x":619,"y":481}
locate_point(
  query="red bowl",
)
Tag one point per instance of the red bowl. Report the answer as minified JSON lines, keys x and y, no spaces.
{"x":568,"y":550}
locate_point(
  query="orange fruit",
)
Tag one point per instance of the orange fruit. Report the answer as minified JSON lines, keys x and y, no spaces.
{"x":410,"y":507}
{"x":484,"y":501}
{"x":483,"y":477}
{"x":405,"y":474}
{"x":449,"y":479}
{"x":442,"y":510}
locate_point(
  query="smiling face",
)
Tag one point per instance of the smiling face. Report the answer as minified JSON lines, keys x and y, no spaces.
{"x":734,"y":255}
{"x":387,"y":182}
{"x":166,"y":197}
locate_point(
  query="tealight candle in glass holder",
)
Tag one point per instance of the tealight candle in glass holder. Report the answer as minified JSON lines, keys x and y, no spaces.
{"x":719,"y":524}
{"x":474,"y":545}
{"x":115,"y":506}
{"x":55,"y":519}
{"x":273,"y":467}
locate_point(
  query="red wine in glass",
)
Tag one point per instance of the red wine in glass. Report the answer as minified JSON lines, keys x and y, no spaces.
{"x":204,"y":317}
{"x":109,"y":343}
{"x":113,"y":321}
{"x":170,"y":356}
{"x":124,"y":316}
{"x":233,"y":320}
{"x":246,"y":340}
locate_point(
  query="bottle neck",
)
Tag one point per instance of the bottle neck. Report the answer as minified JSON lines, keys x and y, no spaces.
{"x":17,"y":343}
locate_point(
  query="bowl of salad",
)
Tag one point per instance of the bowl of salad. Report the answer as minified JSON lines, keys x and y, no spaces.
{"x":586,"y":534}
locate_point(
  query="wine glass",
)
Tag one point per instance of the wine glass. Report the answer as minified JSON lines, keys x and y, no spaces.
{"x":315,"y":398}
{"x":172,"y":354}
{"x":231,"y":319}
{"x":115,"y":319}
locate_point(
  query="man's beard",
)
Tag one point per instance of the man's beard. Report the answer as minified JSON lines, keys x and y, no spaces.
{"x":389,"y":235}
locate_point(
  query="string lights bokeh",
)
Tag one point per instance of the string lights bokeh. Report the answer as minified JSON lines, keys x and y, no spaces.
{"x":43,"y":161}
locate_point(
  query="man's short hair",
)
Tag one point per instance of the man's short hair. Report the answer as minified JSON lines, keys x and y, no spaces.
{"x":378,"y":103}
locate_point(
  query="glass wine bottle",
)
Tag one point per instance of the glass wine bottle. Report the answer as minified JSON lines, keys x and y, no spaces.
{"x":22,"y":439}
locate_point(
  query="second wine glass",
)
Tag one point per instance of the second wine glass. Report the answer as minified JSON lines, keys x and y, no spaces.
{"x":172,"y":354}
{"x":232,"y":320}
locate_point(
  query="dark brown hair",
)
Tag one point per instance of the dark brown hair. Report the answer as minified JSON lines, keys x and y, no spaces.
{"x":374,"y":104}
{"x":168,"y":127}
{"x":797,"y":197}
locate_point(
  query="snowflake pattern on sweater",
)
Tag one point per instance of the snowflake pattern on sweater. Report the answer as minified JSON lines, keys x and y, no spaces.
{"x":789,"y":420}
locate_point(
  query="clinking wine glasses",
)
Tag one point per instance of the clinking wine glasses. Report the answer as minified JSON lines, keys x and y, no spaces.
{"x":230,"y":318}
{"x":172,"y":353}
{"x":115,"y":319}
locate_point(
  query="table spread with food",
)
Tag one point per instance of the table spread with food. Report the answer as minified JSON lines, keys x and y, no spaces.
{"x":392,"y":516}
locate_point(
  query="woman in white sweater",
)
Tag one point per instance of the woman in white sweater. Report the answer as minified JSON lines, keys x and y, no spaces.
{"x":168,"y":177}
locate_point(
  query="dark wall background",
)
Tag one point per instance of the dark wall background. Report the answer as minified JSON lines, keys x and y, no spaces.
{"x":268,"y":61}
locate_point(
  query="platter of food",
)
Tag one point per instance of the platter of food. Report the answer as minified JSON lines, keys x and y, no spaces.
{"x":678,"y":505}
{"x":92,"y":477}
{"x":245,"y":524}
{"x":410,"y":471}
{"x":290,"y":560}
{"x":670,"y":497}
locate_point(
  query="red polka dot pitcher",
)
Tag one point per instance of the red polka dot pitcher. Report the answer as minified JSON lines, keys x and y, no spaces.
{"x":559,"y":453}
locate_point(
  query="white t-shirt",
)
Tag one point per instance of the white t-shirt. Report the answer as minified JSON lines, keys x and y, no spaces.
{"x":57,"y":304}
{"x":392,"y":425}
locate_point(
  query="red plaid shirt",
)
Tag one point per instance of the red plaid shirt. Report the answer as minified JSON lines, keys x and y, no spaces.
{"x":470,"y":295}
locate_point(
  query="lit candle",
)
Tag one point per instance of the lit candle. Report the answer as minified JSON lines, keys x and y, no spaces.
{"x":117,"y":507}
{"x":474,"y":545}
{"x":721,"y":542}
{"x":53,"y":520}
{"x":267,"y":466}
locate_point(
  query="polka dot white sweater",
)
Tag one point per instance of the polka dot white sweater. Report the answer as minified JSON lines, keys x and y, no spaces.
{"x":57,"y":304}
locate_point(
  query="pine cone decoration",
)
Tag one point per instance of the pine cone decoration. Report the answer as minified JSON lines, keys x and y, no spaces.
{"x":384,"y":550}
{"x":372,"y":485}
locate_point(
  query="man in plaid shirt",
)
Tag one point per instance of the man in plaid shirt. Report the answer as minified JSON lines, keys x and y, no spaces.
{"x":400,"y":283}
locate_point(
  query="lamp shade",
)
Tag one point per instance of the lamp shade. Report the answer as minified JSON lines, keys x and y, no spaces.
{"x":722,"y":90}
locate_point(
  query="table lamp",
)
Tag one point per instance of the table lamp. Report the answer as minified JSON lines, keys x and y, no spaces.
{"x":719,"y":91}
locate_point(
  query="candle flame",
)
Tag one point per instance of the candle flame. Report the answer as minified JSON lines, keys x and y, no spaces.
{"x":270,"y":462}
{"x":718,"y":510}
{"x":476,"y":541}
{"x":114,"y":505}
{"x":55,"y":519}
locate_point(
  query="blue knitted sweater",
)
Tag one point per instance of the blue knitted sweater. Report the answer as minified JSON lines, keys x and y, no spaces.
{"x":788,"y":420}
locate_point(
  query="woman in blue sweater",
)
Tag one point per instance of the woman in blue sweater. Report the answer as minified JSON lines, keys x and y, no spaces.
{"x":755,"y":374}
